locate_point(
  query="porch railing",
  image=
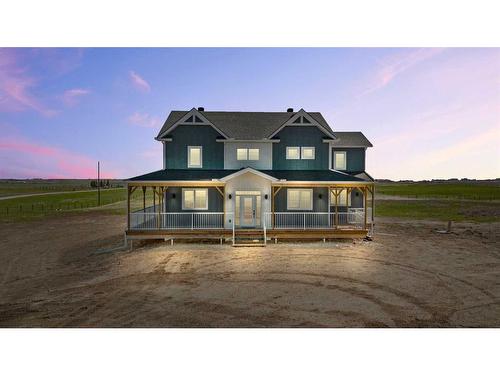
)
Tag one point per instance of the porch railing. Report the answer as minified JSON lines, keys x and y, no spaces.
{"x":314,"y":220}
{"x":177,"y":220}
{"x":354,"y":218}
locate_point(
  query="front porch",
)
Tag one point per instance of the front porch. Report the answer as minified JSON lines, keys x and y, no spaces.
{"x":337,"y":217}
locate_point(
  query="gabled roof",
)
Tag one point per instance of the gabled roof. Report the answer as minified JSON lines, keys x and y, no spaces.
{"x":220,"y":174}
{"x":350,"y":139}
{"x":245,"y":125}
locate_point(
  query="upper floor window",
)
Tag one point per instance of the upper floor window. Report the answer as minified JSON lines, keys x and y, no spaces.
{"x":299,"y":199}
{"x":247,"y":154}
{"x":307,"y":152}
{"x":340,"y":160}
{"x":195,"y":159}
{"x":293,"y":152}
{"x":195,"y":199}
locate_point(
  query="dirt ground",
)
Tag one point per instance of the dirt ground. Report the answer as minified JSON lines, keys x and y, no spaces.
{"x":53,"y":273}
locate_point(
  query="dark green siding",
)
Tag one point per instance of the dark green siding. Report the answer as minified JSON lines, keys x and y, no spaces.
{"x":215,"y":202}
{"x":319,"y":204}
{"x":300,"y":136}
{"x":355,"y":158}
{"x":195,"y":135}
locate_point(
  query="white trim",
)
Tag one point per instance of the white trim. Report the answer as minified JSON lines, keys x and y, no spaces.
{"x":303,"y":113}
{"x":233,"y":140}
{"x":194,"y":199}
{"x":246,"y":153}
{"x":313,"y":152}
{"x":189,"y":157}
{"x":247,"y":170}
{"x":330,"y":161}
{"x":192,"y":112}
{"x":335,"y":160}
{"x":299,"y":208}
{"x":298,"y":152}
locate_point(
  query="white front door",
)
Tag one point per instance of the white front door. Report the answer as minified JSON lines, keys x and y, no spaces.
{"x":247,"y":211}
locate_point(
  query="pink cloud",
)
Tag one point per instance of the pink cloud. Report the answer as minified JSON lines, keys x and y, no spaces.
{"x":72,"y":97}
{"x":398,"y":64}
{"x":144,"y":120}
{"x":139,"y":82}
{"x":16,"y":86}
{"x":22,"y":158}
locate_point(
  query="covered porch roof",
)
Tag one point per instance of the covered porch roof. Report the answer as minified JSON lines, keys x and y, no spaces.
{"x":220,"y":176}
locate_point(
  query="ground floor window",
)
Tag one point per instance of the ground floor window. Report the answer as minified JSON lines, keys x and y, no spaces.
{"x":195,"y":199}
{"x":299,"y":199}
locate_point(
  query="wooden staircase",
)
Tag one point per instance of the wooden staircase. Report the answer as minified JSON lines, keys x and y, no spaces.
{"x":249,"y":238}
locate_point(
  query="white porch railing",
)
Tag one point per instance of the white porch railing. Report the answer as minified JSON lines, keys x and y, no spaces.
{"x":314,"y":220}
{"x":176,"y":220}
{"x":354,"y":218}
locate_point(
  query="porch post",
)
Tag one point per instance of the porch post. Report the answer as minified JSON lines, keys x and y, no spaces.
{"x":144,"y":198}
{"x":272,"y":207}
{"x":224,"y":207}
{"x":336,"y":208}
{"x":128,"y":207}
{"x":154,"y":198}
{"x":373,"y":204}
{"x":159,"y":203}
{"x":329,"y":202}
{"x":365,"y":196}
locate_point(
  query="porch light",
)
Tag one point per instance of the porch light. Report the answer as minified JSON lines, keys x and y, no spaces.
{"x":173,"y":196}
{"x":320,"y":196}
{"x":265,"y":196}
{"x":229,"y":196}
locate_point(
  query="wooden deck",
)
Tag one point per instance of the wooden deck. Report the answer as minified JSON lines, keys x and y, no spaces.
{"x":227,"y":234}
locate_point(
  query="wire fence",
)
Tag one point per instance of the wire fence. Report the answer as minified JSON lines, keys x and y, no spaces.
{"x":28,"y":208}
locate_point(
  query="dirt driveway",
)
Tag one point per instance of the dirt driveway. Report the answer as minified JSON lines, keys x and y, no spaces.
{"x":409,"y":276}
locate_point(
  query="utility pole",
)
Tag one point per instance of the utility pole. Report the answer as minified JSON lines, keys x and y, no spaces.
{"x":98,"y":184}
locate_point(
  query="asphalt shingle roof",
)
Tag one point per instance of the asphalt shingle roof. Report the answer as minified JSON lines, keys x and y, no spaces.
{"x":209,"y":174}
{"x":245,"y":125}
{"x":350,"y":139}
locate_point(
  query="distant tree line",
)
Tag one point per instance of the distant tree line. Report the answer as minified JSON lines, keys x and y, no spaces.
{"x":102,"y":183}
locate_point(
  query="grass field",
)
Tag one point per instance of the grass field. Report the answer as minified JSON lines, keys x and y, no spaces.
{"x":20,"y":187}
{"x":25,"y":208}
{"x":445,"y":209}
{"x":476,"y":191}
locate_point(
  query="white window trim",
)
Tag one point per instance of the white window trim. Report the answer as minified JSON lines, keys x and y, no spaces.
{"x":194,"y":201}
{"x":335,"y":160}
{"x":299,"y":209}
{"x":298,"y":153}
{"x":246,"y":153}
{"x":313,"y":152}
{"x":258,"y":153}
{"x":189,"y":157}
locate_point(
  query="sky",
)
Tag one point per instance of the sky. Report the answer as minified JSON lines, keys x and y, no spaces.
{"x":430,"y":113}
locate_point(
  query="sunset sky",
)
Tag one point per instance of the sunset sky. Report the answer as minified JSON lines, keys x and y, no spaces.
{"x":430,"y":113}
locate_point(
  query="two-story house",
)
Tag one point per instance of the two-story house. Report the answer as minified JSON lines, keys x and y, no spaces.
{"x":271,"y":174}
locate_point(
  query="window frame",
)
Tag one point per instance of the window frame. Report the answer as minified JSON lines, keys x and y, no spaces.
{"x":246,"y":153}
{"x":292,"y":147}
{"x":258,"y":154}
{"x":205,"y":208}
{"x":189,"y":156}
{"x":311,"y":203}
{"x":335,"y":160}
{"x":308,"y":147}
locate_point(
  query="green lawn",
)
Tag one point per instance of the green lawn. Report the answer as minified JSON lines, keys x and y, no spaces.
{"x":25,"y":208}
{"x":444,"y":210}
{"x":19,"y":187}
{"x":478,"y":191}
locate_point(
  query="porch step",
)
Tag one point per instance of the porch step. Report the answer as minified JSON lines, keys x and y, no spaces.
{"x":249,"y":238}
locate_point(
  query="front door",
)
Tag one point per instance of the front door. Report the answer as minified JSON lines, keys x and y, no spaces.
{"x":247,"y":211}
